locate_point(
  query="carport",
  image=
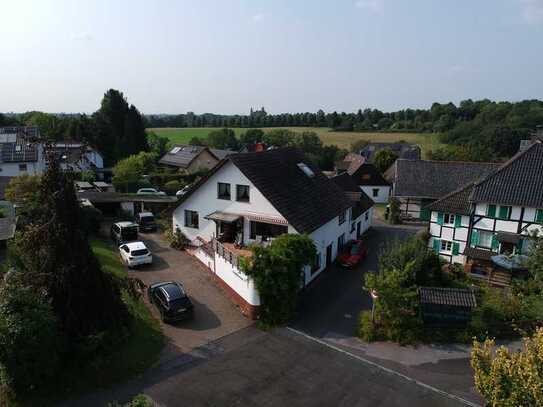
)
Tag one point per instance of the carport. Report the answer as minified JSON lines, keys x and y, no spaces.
{"x":112,"y":203}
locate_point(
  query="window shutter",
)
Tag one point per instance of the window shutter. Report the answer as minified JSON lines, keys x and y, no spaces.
{"x":519,"y":246}
{"x":457,"y":221}
{"x":504,"y":212}
{"x":495,"y":243}
{"x":491,"y":211}
{"x":539,"y":216}
{"x":440,"y":218}
{"x":425,"y":214}
{"x":456,"y":249}
{"x":474,"y":238}
{"x":437,"y":245}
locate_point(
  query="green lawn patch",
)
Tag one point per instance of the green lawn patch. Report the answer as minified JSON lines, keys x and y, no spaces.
{"x":343,"y":139}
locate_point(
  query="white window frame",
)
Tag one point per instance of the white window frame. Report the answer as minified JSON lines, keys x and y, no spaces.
{"x":448,"y":218}
{"x":446,"y":246}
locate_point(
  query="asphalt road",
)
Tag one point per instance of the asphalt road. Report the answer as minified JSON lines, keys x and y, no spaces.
{"x":334,"y":300}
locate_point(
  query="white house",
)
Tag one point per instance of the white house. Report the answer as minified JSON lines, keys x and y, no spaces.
{"x":487,"y":224}
{"x":252,"y":198}
{"x":78,"y":157}
{"x":19,"y":156}
{"x":372,"y":183}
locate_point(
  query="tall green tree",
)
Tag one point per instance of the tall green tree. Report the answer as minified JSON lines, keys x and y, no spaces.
{"x":384,"y":158}
{"x":224,"y":139}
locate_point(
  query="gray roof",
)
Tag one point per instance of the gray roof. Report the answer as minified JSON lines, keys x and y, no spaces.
{"x":182,"y":155}
{"x":434,"y":179}
{"x":517,"y":182}
{"x":457,"y":297}
{"x":105,"y":197}
{"x":455,"y":202}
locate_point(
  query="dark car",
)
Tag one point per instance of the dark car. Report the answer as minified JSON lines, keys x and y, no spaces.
{"x":352,"y":253}
{"x":146,"y":222}
{"x":172,"y":301}
{"x":123,"y":232}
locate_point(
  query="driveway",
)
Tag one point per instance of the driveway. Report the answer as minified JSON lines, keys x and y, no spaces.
{"x":214,"y":314}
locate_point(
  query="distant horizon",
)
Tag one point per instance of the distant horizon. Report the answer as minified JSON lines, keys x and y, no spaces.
{"x":216,"y":56}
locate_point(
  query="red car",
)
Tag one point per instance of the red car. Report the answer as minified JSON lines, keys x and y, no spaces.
{"x":352,"y":253}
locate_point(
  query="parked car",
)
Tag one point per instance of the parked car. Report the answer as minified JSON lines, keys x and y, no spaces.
{"x":150,"y":191}
{"x":352,"y":253}
{"x":135,"y":254}
{"x":172,"y":301}
{"x":122,"y":232}
{"x":182,"y":192}
{"x":146,"y":222}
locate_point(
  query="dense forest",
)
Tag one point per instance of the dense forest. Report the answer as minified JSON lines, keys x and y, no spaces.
{"x":474,"y":130}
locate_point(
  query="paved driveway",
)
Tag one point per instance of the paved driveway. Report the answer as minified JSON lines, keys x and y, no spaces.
{"x":214,"y":314}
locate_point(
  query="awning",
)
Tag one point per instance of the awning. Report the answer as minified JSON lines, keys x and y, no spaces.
{"x":505,"y":237}
{"x":265,"y":219}
{"x":223,"y":217}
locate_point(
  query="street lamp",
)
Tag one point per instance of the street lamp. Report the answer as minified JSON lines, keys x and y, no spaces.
{"x":374,"y":298}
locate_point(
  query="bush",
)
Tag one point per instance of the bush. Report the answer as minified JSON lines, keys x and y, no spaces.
{"x":91,"y":219}
{"x":367,"y":330}
{"x":29,"y":341}
{"x":172,"y":187}
{"x":176,"y":239}
{"x":141,"y":400}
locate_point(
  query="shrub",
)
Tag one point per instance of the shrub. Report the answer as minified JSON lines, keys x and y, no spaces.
{"x":141,"y":400}
{"x":91,"y":219}
{"x":176,"y":239}
{"x":367,"y":330}
{"x":394,"y":211}
{"x":172,"y":187}
{"x":29,"y":342}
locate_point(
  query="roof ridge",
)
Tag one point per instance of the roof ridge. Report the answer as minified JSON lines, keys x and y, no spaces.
{"x":449,"y":161}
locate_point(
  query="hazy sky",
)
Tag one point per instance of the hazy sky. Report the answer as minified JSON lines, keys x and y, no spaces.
{"x":225,"y":56}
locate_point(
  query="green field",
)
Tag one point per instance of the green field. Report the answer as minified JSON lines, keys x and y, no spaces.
{"x":342,"y":139}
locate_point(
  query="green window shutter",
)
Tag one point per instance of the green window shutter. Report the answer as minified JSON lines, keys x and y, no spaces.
{"x":519,"y":246}
{"x":440,"y":218}
{"x":491,"y":211}
{"x":495,"y":243}
{"x":474,"y":237}
{"x":437,"y":245}
{"x":504,"y":212}
{"x":457,"y":221}
{"x":539,"y":216}
{"x":456,"y":249}
{"x":425,"y":214}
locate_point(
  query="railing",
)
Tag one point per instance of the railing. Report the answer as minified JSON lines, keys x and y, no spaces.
{"x":225,"y":253}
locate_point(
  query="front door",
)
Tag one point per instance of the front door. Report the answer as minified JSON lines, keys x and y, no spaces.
{"x":328,"y":255}
{"x":358,"y":229}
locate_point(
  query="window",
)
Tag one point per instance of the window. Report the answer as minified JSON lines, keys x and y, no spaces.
{"x":505,"y":212}
{"x":22,"y":167}
{"x":316,"y":264}
{"x":353,"y":226}
{"x":223,"y":190}
{"x":539,"y":216}
{"x":307,"y":171}
{"x":485,"y":239}
{"x":446,"y":246}
{"x":242,"y":193}
{"x":191,"y":219}
{"x":340,"y":242}
{"x":266,"y":230}
{"x":448,"y":219}
{"x":367,"y":216}
{"x":375,"y":192}
{"x":175,"y":150}
{"x":341,"y":218}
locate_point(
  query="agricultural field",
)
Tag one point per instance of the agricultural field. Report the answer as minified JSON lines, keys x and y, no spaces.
{"x":342,"y":139}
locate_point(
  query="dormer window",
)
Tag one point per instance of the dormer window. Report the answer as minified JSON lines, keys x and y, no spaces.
{"x":307,"y":171}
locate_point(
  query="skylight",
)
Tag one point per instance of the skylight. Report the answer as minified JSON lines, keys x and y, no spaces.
{"x":175,"y":150}
{"x":307,"y":171}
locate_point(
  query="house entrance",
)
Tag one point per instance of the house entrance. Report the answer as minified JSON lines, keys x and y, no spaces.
{"x":329,"y":255}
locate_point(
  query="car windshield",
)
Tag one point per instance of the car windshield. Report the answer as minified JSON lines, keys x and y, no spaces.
{"x":147,"y":219}
{"x":140,"y":252}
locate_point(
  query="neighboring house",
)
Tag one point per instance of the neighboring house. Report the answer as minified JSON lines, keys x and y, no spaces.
{"x":372,"y":182}
{"x":403,"y":150}
{"x":417,"y":183}
{"x":349,"y":164}
{"x":18,"y":155}
{"x":78,"y":157}
{"x":193,"y":158}
{"x":251,"y":198}
{"x":7,"y":223}
{"x":491,"y":217}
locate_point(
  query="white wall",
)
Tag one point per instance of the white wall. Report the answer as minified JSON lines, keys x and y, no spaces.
{"x":453,"y":234}
{"x":411,"y":208}
{"x":382,"y":195}
{"x":204,"y":201}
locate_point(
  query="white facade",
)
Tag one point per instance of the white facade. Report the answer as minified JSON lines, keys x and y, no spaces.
{"x":378,"y":193}
{"x":14,"y":169}
{"x":483,"y":229}
{"x":205,"y":201}
{"x":451,"y":233}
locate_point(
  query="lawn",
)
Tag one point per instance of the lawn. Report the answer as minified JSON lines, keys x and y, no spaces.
{"x":342,"y":139}
{"x":132,"y":357}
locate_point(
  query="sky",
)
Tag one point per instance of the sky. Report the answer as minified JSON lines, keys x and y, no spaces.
{"x":226,"y":56}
